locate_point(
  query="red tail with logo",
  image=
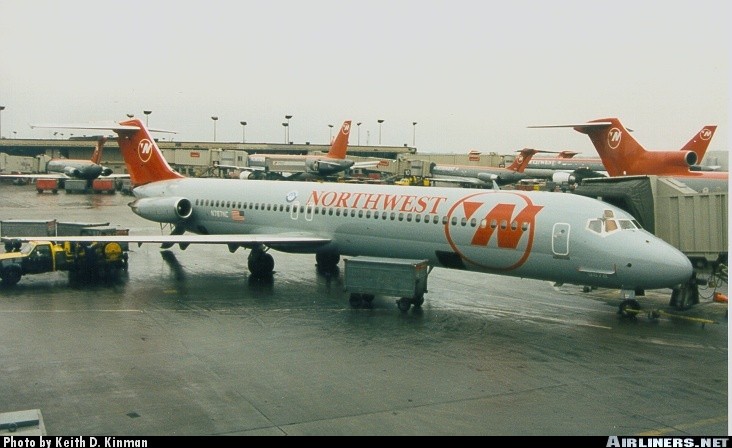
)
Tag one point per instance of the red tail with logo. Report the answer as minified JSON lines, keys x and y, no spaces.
{"x":340,"y":144}
{"x":143,"y":158}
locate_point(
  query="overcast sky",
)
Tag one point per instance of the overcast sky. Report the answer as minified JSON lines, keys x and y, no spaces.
{"x":472,"y":74}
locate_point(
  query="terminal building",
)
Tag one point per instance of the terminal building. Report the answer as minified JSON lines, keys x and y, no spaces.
{"x":200,"y":159}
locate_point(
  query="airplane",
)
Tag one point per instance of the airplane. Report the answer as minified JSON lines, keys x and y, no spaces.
{"x":563,"y":238}
{"x":291,"y":166}
{"x":568,"y":168}
{"x":622,"y":155}
{"x":484,"y":176}
{"x":62,"y":168}
{"x":565,"y":167}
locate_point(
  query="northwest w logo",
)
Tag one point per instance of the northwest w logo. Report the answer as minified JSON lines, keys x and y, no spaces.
{"x":144,"y":149}
{"x":613,"y":138}
{"x":502,"y":234}
{"x":508,"y":228}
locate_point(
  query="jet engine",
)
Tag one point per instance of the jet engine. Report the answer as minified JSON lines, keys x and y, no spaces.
{"x":72,"y":172}
{"x":327,"y":167}
{"x":562,"y":177}
{"x":690,"y":158}
{"x":312,"y":166}
{"x":489,"y":177}
{"x":106,"y":171}
{"x":170,"y":210}
{"x":251,"y":175}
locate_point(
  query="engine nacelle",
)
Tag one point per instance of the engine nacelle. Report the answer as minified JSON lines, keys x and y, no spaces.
{"x":327,"y":167}
{"x":489,"y":177}
{"x":691,"y":158}
{"x":106,"y":171}
{"x":562,"y":177}
{"x":72,"y":172}
{"x":248,"y":175}
{"x":170,"y":210}
{"x":312,"y":166}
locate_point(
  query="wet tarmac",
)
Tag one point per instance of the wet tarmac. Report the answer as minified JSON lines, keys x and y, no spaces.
{"x":185,"y":343}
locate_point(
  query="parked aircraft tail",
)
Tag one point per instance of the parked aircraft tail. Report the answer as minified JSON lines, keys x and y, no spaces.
{"x":340,"y":144}
{"x":700,"y":142}
{"x":522,"y":160}
{"x":97,"y":154}
{"x":143,"y":158}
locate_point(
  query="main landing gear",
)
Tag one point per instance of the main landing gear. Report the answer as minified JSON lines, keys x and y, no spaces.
{"x":327,"y":261}
{"x":260,"y":263}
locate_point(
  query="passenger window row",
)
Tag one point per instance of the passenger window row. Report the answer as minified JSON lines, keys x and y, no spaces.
{"x":367,"y":214}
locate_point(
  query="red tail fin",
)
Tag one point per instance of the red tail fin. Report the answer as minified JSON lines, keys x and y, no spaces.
{"x":143,"y":158}
{"x":97,"y":154}
{"x":616,"y":147}
{"x":700,"y":142}
{"x":522,"y":160}
{"x":340,"y":144}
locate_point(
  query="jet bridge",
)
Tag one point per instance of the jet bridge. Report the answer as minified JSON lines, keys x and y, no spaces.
{"x":689,"y":213}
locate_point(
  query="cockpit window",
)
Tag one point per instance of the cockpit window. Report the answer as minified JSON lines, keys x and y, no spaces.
{"x":609,"y":224}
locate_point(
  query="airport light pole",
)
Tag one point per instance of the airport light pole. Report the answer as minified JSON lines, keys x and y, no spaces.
{"x":2,"y":108}
{"x":147,"y":115}
{"x":358,"y":125}
{"x":414,"y":134}
{"x":330,"y":138}
{"x":380,"y":121}
{"x":286,"y":126}
{"x":243,"y":131}
{"x":287,"y":117}
{"x":214,"y":118}
{"x":130,"y":116}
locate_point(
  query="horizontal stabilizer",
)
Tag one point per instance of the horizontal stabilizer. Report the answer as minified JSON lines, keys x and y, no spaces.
{"x":111,"y":126}
{"x":597,"y":124}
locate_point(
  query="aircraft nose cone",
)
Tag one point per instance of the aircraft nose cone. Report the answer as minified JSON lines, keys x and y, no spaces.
{"x":670,"y":266}
{"x":677,"y":267}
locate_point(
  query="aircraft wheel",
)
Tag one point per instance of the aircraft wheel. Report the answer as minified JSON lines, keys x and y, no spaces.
{"x":629,"y":308}
{"x":419,"y":300}
{"x":327,"y":260}
{"x":261,"y":265}
{"x":404,"y":304}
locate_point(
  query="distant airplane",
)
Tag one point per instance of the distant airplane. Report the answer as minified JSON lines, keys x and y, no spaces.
{"x":557,"y":237}
{"x":622,"y":155}
{"x":565,"y":167}
{"x":572,"y":169}
{"x":484,"y":176}
{"x":292,"y":166}
{"x":62,"y":168}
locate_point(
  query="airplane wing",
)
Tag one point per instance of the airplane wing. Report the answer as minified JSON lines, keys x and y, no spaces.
{"x":459,"y":180}
{"x":277,"y":241}
{"x":32,"y":176}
